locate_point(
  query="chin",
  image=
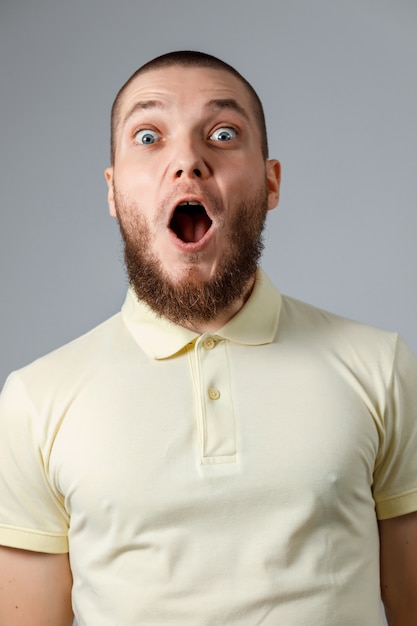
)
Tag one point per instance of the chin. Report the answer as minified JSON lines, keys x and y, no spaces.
{"x":191,"y":272}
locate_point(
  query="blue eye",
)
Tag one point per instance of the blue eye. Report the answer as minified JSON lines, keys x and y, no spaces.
{"x":146,"y":136}
{"x":224,"y":134}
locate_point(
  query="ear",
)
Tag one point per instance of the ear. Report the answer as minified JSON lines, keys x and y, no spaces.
{"x":108,"y":173}
{"x":273,"y":178}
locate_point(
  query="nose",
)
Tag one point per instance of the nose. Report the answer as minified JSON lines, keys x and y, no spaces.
{"x":189,"y":162}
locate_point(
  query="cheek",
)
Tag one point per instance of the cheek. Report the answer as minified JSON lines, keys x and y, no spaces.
{"x":134,"y":179}
{"x":244,"y":178}
{"x":236,"y":176}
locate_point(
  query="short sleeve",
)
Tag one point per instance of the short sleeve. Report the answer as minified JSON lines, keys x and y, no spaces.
{"x":395,"y":476}
{"x":32,"y":515}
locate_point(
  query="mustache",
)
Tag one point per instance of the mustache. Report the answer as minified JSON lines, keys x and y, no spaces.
{"x":165,"y":206}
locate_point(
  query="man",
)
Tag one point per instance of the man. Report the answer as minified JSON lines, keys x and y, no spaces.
{"x":216,"y":454}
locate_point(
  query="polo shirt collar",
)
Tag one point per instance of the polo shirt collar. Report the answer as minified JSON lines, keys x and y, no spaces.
{"x":255,"y":324}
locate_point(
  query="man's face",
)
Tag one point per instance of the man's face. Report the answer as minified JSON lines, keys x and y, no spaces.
{"x":189,"y":185}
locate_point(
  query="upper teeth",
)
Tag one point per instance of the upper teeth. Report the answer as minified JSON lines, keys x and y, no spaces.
{"x":190,"y":203}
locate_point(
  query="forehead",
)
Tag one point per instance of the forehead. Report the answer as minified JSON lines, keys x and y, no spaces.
{"x":185,"y":86}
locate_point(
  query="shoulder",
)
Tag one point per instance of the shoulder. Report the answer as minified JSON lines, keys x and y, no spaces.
{"x":301,"y":318}
{"x":71,"y":362}
{"x":354,"y":349}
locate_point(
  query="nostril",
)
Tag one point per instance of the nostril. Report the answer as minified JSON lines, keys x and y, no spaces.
{"x":196,"y":172}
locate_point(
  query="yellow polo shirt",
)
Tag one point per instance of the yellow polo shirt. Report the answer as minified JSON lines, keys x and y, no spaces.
{"x":228,"y":479}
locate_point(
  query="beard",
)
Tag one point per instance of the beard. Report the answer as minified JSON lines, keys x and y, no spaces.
{"x":192,"y":300}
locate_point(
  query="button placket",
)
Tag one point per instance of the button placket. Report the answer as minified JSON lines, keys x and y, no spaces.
{"x":215,"y":400}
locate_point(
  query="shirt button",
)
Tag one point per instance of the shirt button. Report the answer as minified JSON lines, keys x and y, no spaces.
{"x":214,"y":394}
{"x":209,"y":343}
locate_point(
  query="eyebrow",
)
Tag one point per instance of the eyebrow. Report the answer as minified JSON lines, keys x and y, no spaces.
{"x":227,"y":103}
{"x":143,"y":105}
{"x":216,"y":104}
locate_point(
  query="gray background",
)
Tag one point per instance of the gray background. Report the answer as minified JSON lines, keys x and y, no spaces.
{"x":339,"y":84}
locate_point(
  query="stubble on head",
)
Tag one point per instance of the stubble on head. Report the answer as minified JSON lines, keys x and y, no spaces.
{"x":189,"y":300}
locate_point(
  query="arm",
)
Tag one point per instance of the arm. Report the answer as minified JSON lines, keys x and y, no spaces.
{"x":35,"y":588}
{"x":398,"y":539}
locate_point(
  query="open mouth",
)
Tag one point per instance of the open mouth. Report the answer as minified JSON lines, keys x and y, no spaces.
{"x":190,"y":222}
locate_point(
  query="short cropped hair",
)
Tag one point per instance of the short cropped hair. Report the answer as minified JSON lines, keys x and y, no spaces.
{"x":189,"y":58}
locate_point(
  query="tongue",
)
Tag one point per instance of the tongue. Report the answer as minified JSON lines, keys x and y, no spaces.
{"x":191,"y":228}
